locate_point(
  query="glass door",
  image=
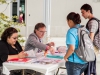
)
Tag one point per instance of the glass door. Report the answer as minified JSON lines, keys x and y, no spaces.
{"x":14,"y":10}
{"x":18,"y":8}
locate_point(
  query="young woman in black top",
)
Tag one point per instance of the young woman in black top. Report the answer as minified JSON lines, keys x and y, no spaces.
{"x":9,"y":46}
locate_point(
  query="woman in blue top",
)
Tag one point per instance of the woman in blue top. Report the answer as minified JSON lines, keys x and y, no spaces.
{"x":74,"y":65}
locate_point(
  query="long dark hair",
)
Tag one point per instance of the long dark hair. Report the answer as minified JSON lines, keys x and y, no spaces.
{"x":8,"y":33}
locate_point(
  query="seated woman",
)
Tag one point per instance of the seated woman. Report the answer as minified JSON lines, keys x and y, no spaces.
{"x":10,"y":48}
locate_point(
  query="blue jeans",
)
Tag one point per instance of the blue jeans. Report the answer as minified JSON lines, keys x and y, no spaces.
{"x":75,"y":68}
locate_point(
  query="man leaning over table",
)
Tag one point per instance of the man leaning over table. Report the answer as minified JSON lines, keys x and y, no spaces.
{"x":34,"y":40}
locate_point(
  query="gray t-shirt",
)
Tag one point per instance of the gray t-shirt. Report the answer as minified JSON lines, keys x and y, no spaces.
{"x":93,"y":26}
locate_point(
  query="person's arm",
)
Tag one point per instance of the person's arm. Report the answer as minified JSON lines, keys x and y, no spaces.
{"x":21,"y":52}
{"x":48,"y":48}
{"x":34,"y":42}
{"x":4,"y":53}
{"x":91,"y":36}
{"x":20,"y":55}
{"x":51,"y":44}
{"x":70,"y":42}
{"x":93,"y":27}
{"x":12,"y":56}
{"x":69,"y":52}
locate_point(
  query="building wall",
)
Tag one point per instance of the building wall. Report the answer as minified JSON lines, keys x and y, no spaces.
{"x":34,"y":14}
{"x":59,"y":9}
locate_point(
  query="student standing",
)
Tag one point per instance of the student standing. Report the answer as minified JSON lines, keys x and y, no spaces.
{"x":74,"y":65}
{"x":92,"y":26}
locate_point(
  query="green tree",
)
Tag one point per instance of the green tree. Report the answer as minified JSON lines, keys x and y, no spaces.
{"x":6,"y":22}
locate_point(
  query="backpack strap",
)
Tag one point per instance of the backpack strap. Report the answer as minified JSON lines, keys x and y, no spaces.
{"x":87,"y":27}
{"x":78,"y":32}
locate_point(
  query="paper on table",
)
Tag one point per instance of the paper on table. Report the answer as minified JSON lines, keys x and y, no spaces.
{"x":31,"y":53}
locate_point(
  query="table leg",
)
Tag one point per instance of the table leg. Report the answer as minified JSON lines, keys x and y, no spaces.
{"x":50,"y":73}
{"x":23,"y":72}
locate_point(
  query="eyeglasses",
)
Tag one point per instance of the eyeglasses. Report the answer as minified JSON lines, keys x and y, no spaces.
{"x":42,"y":31}
{"x":15,"y":38}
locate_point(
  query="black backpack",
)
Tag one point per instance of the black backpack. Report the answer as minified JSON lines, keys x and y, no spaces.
{"x":96,"y":40}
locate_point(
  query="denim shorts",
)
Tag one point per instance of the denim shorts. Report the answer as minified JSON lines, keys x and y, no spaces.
{"x":75,"y":68}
